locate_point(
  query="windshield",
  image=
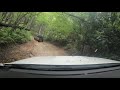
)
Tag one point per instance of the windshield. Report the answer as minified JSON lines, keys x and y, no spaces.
{"x":60,"y":38}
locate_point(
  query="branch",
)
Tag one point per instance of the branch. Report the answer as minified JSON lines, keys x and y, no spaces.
{"x":75,"y":16}
{"x":13,"y":26}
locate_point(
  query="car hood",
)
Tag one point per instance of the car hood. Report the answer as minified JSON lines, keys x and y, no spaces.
{"x":64,"y":60}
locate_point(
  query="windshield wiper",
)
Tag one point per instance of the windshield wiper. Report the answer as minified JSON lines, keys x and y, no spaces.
{"x":58,"y":67}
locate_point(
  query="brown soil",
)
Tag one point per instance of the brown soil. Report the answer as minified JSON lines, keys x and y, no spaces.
{"x":30,"y":49}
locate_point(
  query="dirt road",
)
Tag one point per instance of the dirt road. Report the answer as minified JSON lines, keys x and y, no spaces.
{"x":47,"y":49}
{"x":30,"y":49}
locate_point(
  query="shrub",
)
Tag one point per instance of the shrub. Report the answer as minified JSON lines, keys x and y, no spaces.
{"x":8,"y":35}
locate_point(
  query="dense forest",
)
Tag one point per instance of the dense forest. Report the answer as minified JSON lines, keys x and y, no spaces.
{"x":80,"y":33}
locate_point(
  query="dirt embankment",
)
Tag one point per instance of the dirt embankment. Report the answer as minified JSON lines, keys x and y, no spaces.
{"x":30,"y":49}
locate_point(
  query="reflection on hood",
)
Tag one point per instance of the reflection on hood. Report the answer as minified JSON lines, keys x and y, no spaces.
{"x":64,"y":60}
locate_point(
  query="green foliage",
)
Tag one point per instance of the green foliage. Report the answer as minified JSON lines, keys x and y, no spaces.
{"x":58,"y":26}
{"x":73,"y":30}
{"x":7,"y":36}
{"x":99,"y":30}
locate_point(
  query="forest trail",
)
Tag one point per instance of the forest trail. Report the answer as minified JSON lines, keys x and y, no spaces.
{"x":47,"y":49}
{"x":30,"y":49}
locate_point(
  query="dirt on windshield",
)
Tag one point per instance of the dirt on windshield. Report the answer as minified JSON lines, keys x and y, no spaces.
{"x":30,"y":49}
